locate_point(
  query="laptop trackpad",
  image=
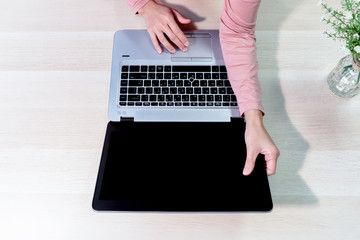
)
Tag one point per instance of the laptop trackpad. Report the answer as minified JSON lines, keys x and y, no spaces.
{"x":198,"y":48}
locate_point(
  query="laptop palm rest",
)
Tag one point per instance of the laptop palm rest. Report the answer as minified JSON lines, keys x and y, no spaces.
{"x":199,"y":50}
{"x":179,"y":166}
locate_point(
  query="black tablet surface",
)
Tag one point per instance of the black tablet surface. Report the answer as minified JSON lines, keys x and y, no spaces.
{"x":179,"y":166}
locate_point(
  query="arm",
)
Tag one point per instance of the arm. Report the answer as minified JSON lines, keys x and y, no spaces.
{"x":135,"y":5}
{"x":238,"y":42}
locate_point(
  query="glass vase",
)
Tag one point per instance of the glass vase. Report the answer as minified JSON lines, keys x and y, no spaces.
{"x":344,"y":79}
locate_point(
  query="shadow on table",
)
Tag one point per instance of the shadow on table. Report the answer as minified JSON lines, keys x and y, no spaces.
{"x":287,"y":185}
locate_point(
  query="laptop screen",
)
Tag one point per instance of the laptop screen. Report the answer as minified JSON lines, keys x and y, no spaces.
{"x":179,"y":166}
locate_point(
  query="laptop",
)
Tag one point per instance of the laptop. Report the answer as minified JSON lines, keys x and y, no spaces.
{"x":174,"y":141}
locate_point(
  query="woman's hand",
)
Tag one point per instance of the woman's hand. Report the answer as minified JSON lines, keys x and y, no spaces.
{"x":161,"y":22}
{"x":258,"y":141}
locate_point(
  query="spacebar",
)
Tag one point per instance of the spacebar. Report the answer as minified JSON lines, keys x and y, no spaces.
{"x":191,"y":69}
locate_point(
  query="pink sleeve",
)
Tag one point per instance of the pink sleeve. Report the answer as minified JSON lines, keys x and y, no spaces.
{"x":135,"y":5}
{"x":238,"y":42}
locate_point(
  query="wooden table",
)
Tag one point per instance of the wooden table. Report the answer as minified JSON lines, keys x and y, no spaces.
{"x":55,"y":59}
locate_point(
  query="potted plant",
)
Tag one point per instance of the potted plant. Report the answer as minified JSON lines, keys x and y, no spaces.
{"x":344,"y":79}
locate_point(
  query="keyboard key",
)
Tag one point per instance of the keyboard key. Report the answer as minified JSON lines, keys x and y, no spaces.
{"x":177,"y":98}
{"x":213,"y":90}
{"x":122,"y":98}
{"x":152,"y":98}
{"x":123,"y":90}
{"x":191,"y":69}
{"x":159,"y":75}
{"x":203,"y":83}
{"x":223,"y":76}
{"x":144,"y":68}
{"x":196,"y":83}
{"x":161,"y":98}
{"x":157,"y":90}
{"x":149,"y":90}
{"x":151,"y":68}
{"x":173,"y":90}
{"x":147,"y":83}
{"x":155,"y":83}
{"x":215,"y":76}
{"x":191,"y":75}
{"x":124,"y":75}
{"x":187,"y":83}
{"x":201,"y":98}
{"x":159,"y":68}
{"x":181,"y":90}
{"x":138,"y":76}
{"x":222,"y":69}
{"x":163,"y":83}
{"x":215,"y":68}
{"x":185,"y":98}
{"x":179,"y":83}
{"x":207,"y":75}
{"x":183,"y":76}
{"x":169,"y":98}
{"x":165,"y":90}
{"x":151,"y":75}
{"x":132,"y":90}
{"x":134,"y":68}
{"x":175,"y":76}
{"x":167,"y":68}
{"x":167,"y":75}
{"x":144,"y":98}
{"x":134,"y":98}
{"x":189,"y":90}
{"x":125,"y":68}
{"x":124,"y":83}
{"x":134,"y":83}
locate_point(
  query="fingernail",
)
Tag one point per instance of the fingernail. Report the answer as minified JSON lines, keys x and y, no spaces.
{"x":159,"y":51}
{"x":186,"y":43}
{"x":184,"y":49}
{"x":246,"y":171}
{"x":173,"y":51}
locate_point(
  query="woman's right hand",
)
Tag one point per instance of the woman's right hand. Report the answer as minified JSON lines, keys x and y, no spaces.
{"x":162,"y":20}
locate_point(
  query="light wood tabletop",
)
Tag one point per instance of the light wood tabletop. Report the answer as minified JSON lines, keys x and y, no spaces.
{"x":55,"y":59}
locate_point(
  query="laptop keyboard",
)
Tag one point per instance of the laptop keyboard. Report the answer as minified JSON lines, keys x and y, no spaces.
{"x":158,"y":85}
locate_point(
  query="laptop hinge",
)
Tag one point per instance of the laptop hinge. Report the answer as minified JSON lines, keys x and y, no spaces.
{"x":126,"y":119}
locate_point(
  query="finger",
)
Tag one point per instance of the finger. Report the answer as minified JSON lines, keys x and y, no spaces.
{"x":250,"y":162}
{"x":165,"y":42}
{"x":271,"y":161}
{"x":155,"y":42}
{"x":181,"y":19}
{"x":174,"y":38}
{"x":179,"y":35}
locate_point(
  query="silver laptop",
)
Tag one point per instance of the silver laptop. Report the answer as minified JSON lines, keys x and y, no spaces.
{"x":187,"y":86}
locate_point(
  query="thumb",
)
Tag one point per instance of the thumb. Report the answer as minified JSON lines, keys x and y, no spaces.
{"x":181,"y":19}
{"x":250,"y":162}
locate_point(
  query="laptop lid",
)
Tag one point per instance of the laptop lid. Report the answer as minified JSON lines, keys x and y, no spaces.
{"x":178,"y":166}
{"x":134,"y":48}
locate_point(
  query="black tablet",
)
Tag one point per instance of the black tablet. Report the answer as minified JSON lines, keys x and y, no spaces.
{"x":179,"y":166}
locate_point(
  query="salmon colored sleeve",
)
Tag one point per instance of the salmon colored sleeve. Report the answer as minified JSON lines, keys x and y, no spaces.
{"x":238,"y":43}
{"x":135,"y":5}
